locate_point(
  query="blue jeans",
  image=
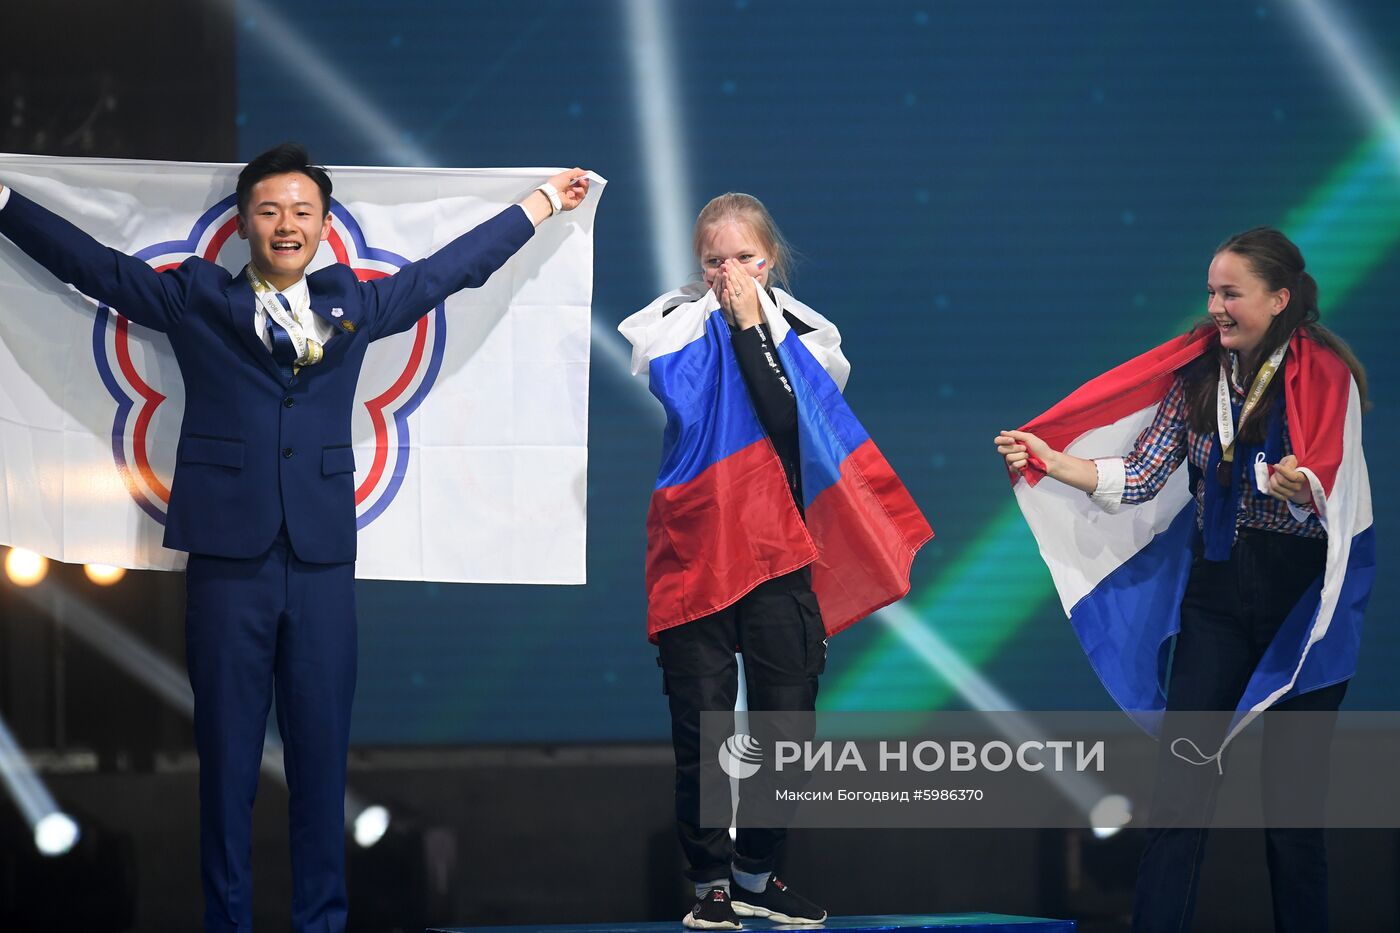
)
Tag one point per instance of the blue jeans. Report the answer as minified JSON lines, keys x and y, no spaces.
{"x":1229,"y":615}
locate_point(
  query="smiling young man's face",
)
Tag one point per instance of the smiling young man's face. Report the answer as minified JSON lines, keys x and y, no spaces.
{"x":284,"y":223}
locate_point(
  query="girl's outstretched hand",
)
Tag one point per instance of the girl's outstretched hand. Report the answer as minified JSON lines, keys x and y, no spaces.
{"x":1019,"y":446}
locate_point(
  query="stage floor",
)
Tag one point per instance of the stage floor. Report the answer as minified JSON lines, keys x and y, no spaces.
{"x":943,"y":923}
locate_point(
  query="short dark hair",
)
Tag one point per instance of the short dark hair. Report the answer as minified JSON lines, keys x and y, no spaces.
{"x":279,"y":160}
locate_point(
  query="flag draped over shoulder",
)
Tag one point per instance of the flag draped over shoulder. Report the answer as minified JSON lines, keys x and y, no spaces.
{"x":469,"y":429}
{"x":1121,"y":576}
{"x":722,"y":519}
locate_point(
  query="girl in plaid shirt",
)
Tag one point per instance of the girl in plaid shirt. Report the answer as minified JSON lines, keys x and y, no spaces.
{"x":1256,"y":553}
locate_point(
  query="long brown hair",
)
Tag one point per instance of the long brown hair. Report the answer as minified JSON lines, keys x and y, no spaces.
{"x":1279,"y":263}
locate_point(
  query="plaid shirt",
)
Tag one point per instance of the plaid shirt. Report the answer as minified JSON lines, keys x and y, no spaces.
{"x":1169,"y":439}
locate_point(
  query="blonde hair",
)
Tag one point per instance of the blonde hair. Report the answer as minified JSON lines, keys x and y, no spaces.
{"x":735,"y":206}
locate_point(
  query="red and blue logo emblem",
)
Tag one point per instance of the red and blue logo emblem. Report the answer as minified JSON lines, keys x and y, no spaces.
{"x":138,"y":368}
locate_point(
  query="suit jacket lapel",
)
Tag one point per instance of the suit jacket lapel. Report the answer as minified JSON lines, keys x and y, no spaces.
{"x":337,"y":310}
{"x":240,"y":310}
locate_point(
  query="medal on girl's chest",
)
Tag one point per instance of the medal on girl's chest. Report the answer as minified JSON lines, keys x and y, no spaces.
{"x":1224,"y":472}
{"x":1224,"y":413}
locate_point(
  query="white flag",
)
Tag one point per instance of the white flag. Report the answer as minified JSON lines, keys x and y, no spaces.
{"x":470,"y":429}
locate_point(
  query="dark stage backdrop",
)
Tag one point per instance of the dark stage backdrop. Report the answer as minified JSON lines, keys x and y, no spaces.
{"x":994,"y":202}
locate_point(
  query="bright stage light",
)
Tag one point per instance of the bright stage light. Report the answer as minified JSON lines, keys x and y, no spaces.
{"x":104,"y":574}
{"x":1110,"y":815}
{"x":371,"y":825}
{"x":1357,"y":67}
{"x":54,"y":831}
{"x":660,"y":122}
{"x":25,"y":568}
{"x":55,"y":834}
{"x":314,"y":69}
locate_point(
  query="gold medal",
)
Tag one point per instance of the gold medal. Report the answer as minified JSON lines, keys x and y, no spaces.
{"x":1226,"y":428}
{"x":309,"y":351}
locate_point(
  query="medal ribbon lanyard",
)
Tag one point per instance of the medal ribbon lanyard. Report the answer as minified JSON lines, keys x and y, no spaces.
{"x":1224,"y":417}
{"x":309,"y":351}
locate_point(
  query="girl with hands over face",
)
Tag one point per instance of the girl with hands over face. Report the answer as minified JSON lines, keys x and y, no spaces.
{"x":737,"y":291}
{"x":755,"y":550}
{"x":778,"y":622}
{"x":736,"y":256}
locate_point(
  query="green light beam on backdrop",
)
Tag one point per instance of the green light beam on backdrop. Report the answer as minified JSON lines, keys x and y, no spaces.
{"x":1346,"y":228}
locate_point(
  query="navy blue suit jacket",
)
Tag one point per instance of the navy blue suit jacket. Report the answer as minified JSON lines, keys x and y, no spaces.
{"x":256,"y":450}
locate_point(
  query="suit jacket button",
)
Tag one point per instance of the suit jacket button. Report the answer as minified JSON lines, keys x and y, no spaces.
{"x":287,"y":453}
{"x":288,"y":402}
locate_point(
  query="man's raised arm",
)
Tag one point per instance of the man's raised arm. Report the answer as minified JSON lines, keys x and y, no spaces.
{"x":151,"y":299}
{"x":397,"y":301}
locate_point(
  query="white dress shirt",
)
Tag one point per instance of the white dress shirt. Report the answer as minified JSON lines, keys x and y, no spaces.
{"x":315,"y":326}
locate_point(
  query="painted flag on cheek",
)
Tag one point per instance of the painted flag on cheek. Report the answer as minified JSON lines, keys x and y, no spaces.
{"x":722,"y":519}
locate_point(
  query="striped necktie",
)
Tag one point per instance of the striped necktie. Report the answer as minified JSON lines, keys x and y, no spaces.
{"x":284,"y":352}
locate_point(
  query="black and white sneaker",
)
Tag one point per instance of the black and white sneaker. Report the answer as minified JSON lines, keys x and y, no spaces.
{"x":777,"y":902}
{"x":713,"y":911}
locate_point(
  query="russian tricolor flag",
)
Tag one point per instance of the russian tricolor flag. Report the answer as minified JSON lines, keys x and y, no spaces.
{"x":722,"y":519}
{"x":1121,"y":576}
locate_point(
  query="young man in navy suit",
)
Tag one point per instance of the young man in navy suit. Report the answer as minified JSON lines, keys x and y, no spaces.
{"x":263,"y":492}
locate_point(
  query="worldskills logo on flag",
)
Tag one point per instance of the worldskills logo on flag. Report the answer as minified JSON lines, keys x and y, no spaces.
{"x":139,"y":369}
